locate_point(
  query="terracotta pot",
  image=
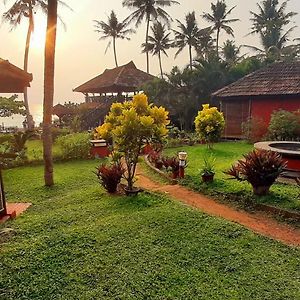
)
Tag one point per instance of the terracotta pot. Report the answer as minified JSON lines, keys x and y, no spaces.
{"x":132,"y":192}
{"x":261,"y":190}
{"x":208,"y":177}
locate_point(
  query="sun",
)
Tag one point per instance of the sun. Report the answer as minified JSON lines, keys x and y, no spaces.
{"x":38,"y":36}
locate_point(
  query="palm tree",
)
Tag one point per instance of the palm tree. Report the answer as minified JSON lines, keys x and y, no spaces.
{"x":219,"y":20}
{"x":113,"y":29}
{"x":49,"y":90}
{"x":158,"y":43}
{"x":14,"y":15}
{"x":148,"y":9}
{"x":269,"y":23}
{"x":231,"y":52}
{"x":188,"y":34}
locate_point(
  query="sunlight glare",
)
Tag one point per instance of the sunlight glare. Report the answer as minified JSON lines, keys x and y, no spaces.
{"x":39,"y":35}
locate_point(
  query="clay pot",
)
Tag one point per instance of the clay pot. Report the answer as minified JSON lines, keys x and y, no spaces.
{"x":208,"y":177}
{"x":261,"y":190}
{"x":132,"y":192}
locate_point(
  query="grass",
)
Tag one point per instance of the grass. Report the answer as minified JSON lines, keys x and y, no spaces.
{"x":35,"y":150}
{"x":282,"y":195}
{"x":77,"y":242}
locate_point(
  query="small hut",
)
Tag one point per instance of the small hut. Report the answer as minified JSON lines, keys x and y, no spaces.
{"x":12,"y":78}
{"x":259,"y":94}
{"x":124,"y":79}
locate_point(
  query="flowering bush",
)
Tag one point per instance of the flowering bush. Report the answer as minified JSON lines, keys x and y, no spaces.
{"x":130,"y":125}
{"x":209,"y":124}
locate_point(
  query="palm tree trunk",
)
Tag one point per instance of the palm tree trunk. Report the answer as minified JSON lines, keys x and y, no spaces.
{"x":160,"y":65}
{"x":191,"y":57}
{"x":49,"y":90}
{"x":218,"y":37}
{"x":147,"y":35}
{"x":115,"y":52}
{"x":29,"y":118}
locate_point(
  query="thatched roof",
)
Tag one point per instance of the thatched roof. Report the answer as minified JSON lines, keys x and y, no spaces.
{"x":125,"y":78}
{"x":12,"y":78}
{"x":282,"y":78}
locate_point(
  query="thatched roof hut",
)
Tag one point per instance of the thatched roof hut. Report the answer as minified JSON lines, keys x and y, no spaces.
{"x":124,"y":79}
{"x":258,"y":94}
{"x":12,"y":78}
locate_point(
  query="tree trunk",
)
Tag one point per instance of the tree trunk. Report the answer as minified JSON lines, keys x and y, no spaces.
{"x":191,"y":57}
{"x":115,"y":52}
{"x":218,"y":37}
{"x":147,"y":34}
{"x":49,"y":90}
{"x":29,"y":119}
{"x":160,"y":66}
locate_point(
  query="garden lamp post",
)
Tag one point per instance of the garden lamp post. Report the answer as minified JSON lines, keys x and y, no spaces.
{"x":182,"y":156}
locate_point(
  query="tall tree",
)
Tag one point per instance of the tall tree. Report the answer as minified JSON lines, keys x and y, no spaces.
{"x":219,"y":19}
{"x":19,"y":10}
{"x":148,"y":10}
{"x":188,"y":34}
{"x":114,"y":30}
{"x":230,"y":52}
{"x":270,"y":24}
{"x":50,"y":45}
{"x":158,"y":42}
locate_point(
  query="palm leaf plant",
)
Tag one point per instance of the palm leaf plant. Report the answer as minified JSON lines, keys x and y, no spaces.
{"x":148,"y":10}
{"x":113,"y":30}
{"x":158,"y":42}
{"x":219,"y":20}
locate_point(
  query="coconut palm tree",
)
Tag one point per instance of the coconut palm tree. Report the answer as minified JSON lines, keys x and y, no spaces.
{"x":19,"y":10}
{"x":49,"y":90}
{"x":188,"y":34}
{"x":270,"y":22}
{"x":230,"y":52}
{"x":148,"y":10}
{"x":218,"y":19}
{"x":158,"y":43}
{"x":114,"y":30}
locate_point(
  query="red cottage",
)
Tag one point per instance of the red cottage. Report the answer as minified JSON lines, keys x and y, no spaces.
{"x":259,"y":94}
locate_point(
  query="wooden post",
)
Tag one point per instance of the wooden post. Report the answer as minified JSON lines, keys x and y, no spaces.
{"x":2,"y":197}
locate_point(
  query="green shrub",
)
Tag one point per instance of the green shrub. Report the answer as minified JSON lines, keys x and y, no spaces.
{"x":284,"y":125}
{"x":75,"y":145}
{"x":58,"y":132}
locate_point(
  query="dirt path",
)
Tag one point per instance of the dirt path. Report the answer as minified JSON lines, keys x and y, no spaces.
{"x":258,"y":222}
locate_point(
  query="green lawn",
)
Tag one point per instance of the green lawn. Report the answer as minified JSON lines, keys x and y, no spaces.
{"x":35,"y":150}
{"x":76,"y":242}
{"x":223,"y":188}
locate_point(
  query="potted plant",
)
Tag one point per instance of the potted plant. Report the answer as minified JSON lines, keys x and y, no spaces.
{"x":110,"y":176}
{"x":130,"y":125}
{"x":172,"y":164}
{"x":208,"y":169}
{"x":260,"y":168}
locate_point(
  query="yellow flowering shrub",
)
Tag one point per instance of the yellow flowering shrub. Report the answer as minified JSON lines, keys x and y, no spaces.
{"x":209,"y":124}
{"x":130,"y":125}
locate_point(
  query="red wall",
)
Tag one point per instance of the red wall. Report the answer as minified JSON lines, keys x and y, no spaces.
{"x":263,"y":108}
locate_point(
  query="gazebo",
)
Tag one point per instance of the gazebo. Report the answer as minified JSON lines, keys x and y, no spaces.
{"x":124,"y":79}
{"x":12,"y":80}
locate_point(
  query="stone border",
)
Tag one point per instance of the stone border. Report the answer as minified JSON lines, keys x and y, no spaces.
{"x":277,"y":211}
{"x":161,"y":173}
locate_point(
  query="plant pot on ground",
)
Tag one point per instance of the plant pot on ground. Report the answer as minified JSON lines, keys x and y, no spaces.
{"x":207,"y":171}
{"x":131,"y":192}
{"x":260,"y":168}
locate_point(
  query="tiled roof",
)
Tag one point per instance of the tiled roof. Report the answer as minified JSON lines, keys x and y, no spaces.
{"x":12,"y":78}
{"x":125,"y":78}
{"x":282,"y":78}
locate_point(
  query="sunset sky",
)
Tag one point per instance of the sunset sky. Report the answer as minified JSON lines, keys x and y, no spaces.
{"x":80,"y":56}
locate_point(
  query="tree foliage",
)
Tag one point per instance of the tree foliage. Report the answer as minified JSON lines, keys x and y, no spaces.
{"x":130,"y":125}
{"x":209,"y":124}
{"x":10,"y":106}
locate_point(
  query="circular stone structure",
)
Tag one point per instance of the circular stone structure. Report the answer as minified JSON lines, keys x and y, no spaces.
{"x":290,"y":152}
